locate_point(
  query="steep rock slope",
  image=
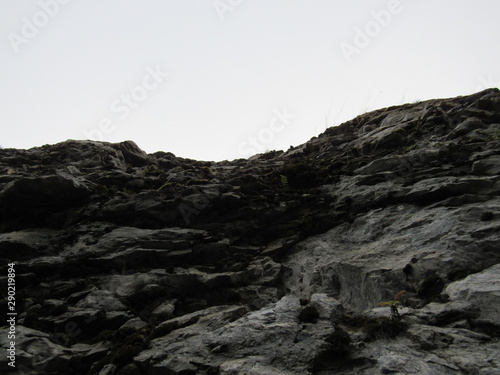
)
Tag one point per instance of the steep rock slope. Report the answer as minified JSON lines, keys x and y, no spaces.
{"x":129,"y":263}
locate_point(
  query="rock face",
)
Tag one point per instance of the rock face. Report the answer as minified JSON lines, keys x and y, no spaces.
{"x":129,"y":263}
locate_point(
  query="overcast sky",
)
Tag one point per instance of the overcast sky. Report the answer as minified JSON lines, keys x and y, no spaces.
{"x":226,"y":79}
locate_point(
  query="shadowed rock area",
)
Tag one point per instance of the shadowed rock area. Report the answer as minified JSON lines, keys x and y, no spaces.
{"x":147,"y":264}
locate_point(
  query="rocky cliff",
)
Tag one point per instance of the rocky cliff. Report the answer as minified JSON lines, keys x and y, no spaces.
{"x":135,"y":263}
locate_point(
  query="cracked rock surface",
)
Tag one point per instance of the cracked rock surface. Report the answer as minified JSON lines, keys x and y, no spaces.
{"x":145,"y":264}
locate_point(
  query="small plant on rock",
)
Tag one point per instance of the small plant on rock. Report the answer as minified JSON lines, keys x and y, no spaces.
{"x":152,"y":169}
{"x":309,"y":314}
{"x":339,"y":343}
{"x":284,"y":181}
{"x":393,"y":305}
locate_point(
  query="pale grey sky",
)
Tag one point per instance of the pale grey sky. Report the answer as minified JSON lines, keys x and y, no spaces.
{"x":225,"y":79}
